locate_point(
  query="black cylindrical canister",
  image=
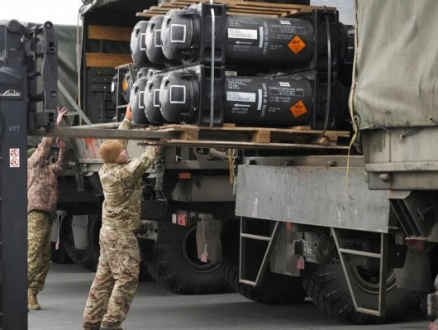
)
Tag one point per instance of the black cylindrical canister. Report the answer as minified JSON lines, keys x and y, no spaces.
{"x":126,"y":86}
{"x":154,"y":46}
{"x":180,"y":33}
{"x":248,"y":38}
{"x":260,"y":39}
{"x":137,"y":101}
{"x":179,"y":96}
{"x":143,"y":72}
{"x":138,"y":45}
{"x":152,"y":100}
{"x":268,"y":102}
{"x":116,"y":86}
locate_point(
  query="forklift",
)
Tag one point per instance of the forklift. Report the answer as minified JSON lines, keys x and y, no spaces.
{"x":28,"y":101}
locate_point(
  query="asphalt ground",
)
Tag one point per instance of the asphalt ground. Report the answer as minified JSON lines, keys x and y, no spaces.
{"x":64,"y":297}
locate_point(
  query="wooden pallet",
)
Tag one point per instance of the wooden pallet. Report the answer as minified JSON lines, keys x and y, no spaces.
{"x":228,"y":136}
{"x":231,"y":136}
{"x":236,"y":7}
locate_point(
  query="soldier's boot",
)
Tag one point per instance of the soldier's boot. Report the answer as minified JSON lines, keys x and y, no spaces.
{"x":108,"y":326}
{"x":32,"y":302}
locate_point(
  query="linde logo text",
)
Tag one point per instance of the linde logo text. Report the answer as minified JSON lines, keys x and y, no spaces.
{"x":10,"y":93}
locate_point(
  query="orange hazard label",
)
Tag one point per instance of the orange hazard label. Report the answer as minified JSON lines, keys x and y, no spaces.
{"x":124,"y":85}
{"x":296,"y":45}
{"x":298,"y":109}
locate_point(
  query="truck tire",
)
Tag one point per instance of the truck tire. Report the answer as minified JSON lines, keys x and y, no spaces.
{"x":60,"y":255}
{"x":327,"y":285}
{"x":423,"y":305}
{"x":88,"y":258}
{"x":175,"y":266}
{"x":275,"y":289}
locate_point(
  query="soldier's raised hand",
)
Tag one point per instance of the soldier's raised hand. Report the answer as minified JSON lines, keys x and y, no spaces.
{"x":61,"y":113}
{"x":60,"y":143}
{"x":128,"y":113}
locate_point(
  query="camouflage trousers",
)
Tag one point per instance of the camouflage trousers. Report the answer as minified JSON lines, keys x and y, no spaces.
{"x":159,"y":168}
{"x":116,"y":280}
{"x":38,"y":248}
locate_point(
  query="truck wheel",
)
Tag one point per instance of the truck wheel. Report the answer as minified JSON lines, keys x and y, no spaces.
{"x":175,"y":266}
{"x":275,"y":289}
{"x":86,"y":258}
{"x":327,"y":285}
{"x":59,"y":256}
{"x":89,"y":258}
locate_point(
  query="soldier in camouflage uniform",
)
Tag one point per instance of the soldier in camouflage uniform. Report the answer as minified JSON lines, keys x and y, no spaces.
{"x":116,"y":280}
{"x":42,"y":195}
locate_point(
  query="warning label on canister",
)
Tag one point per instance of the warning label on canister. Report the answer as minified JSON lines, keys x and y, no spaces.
{"x":242,"y":34}
{"x":296,"y":45}
{"x":298,"y":109}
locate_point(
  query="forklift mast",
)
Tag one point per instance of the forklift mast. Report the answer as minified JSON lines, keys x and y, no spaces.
{"x":28,"y":101}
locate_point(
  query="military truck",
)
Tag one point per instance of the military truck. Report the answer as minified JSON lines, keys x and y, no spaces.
{"x":395,"y":129}
{"x":366,"y":256}
{"x":306,"y":215}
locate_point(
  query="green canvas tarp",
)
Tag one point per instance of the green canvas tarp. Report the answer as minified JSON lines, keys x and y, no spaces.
{"x":396,"y":67}
{"x":68,"y":60}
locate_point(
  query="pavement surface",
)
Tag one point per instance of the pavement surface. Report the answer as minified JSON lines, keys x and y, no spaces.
{"x":154,"y":308}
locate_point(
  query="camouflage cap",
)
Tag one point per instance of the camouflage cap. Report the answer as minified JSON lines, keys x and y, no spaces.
{"x":110,"y":150}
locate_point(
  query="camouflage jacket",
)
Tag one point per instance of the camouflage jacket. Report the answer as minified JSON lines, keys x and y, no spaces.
{"x":42,"y":177}
{"x":122,"y":189}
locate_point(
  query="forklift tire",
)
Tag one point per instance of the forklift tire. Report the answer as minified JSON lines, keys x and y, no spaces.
{"x":175,"y":266}
{"x":275,"y":289}
{"x":327,"y":285}
{"x":60,"y":255}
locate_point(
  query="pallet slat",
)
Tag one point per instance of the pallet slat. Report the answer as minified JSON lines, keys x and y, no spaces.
{"x":221,"y":137}
{"x":101,"y":60}
{"x":230,"y":127}
{"x":236,"y":7}
{"x":229,"y":135}
{"x":240,"y":145}
{"x":110,"y":33}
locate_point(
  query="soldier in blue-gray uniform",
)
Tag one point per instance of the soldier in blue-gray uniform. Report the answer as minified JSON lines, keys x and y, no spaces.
{"x":116,"y":280}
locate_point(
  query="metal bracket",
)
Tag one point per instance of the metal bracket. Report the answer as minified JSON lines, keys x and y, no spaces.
{"x":242,"y":251}
{"x":383,"y":256}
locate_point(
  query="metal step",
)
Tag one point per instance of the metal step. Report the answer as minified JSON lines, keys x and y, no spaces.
{"x":383,"y":256}
{"x":245,"y":236}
